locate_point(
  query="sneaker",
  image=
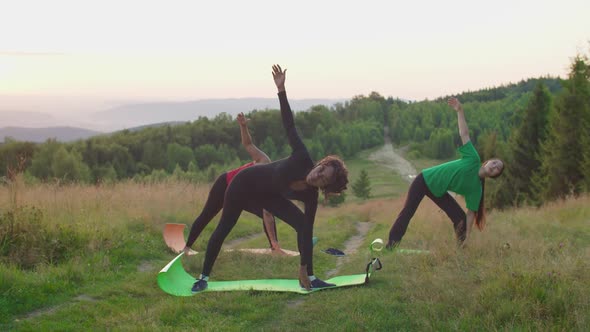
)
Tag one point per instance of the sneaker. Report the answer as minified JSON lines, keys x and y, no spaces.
{"x":318,"y":283}
{"x":199,"y":285}
{"x":461,"y":231}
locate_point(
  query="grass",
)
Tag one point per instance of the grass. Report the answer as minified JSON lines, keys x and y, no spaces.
{"x":527,"y":271}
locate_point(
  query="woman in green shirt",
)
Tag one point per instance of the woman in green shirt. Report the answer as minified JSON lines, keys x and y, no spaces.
{"x":465,"y":176}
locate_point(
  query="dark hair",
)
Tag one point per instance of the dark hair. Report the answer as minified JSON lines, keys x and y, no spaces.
{"x":480,"y":215}
{"x":339,"y":178}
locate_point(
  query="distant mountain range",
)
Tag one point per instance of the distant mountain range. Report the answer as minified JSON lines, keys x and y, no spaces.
{"x":134,"y":115}
{"x":38,"y":135}
{"x":37,"y":126}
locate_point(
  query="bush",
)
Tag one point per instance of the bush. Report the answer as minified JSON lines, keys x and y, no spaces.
{"x":26,"y":241}
{"x":335,"y":200}
{"x":414,"y":154}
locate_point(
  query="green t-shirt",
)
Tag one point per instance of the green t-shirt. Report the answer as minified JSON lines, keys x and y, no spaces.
{"x":459,"y":176}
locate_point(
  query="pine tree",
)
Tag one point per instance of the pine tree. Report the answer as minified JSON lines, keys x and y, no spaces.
{"x":562,"y":171}
{"x":489,"y":148}
{"x":362,"y":186}
{"x":586,"y":161}
{"x":526,"y":145}
{"x":585,"y":139}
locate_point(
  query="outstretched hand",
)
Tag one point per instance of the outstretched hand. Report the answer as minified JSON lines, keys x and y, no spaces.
{"x":242,"y":120}
{"x":279,"y":75}
{"x":455,"y":104}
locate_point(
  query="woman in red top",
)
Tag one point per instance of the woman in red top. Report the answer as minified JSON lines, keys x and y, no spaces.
{"x":214,"y":202}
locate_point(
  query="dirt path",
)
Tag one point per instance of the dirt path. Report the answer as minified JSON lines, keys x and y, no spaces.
{"x":389,"y":157}
{"x":351,"y":246}
{"x":51,"y":310}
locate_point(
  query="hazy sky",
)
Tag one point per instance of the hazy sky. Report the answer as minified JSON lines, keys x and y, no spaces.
{"x":179,"y":50}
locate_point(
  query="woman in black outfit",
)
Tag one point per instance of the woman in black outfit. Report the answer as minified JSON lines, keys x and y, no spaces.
{"x":271,"y":186}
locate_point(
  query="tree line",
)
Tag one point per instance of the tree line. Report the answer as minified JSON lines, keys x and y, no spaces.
{"x":197,"y":150}
{"x":539,"y":127}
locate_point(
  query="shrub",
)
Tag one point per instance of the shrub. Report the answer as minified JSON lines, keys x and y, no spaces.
{"x":26,"y":241}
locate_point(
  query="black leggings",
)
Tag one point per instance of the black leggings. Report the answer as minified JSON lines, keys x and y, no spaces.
{"x":212,"y":206}
{"x":419,"y":189}
{"x":240,"y":197}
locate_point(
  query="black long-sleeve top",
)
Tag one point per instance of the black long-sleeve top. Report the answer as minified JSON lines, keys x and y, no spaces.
{"x":255,"y":185}
{"x":295,"y":168}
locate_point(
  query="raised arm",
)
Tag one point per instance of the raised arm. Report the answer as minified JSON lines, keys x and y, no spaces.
{"x":463,"y":131}
{"x":295,"y":141}
{"x":257,"y":155}
{"x":279,"y":75}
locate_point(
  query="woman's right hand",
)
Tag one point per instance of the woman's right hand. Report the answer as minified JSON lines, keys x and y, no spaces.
{"x":304,"y":278}
{"x":279,"y":75}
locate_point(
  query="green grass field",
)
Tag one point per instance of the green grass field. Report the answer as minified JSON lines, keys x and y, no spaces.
{"x":86,"y":258}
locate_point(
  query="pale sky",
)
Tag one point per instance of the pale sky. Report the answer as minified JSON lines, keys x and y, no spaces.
{"x":186,"y":50}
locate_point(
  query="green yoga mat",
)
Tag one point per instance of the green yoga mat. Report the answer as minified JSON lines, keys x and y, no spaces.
{"x":174,"y":280}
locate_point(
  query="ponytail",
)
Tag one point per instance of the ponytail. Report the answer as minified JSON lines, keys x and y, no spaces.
{"x":480,"y":215}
